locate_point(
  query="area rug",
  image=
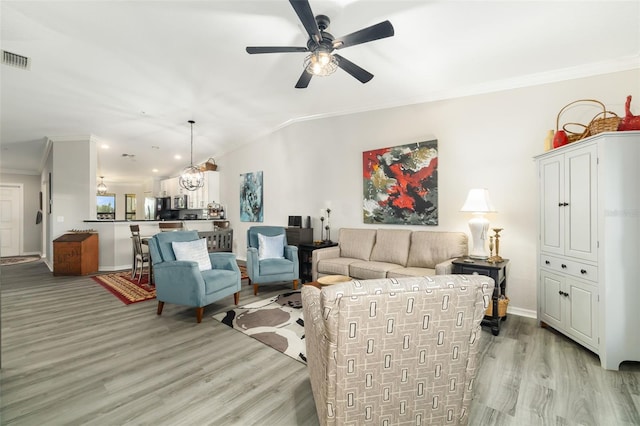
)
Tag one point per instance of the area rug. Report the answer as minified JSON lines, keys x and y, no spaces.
{"x":17,"y":260}
{"x":126,"y":289}
{"x":277,"y":322}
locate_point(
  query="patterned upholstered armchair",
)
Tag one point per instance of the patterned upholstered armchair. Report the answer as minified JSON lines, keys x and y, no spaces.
{"x":269,"y":259}
{"x":395,"y":350}
{"x":186,"y":274}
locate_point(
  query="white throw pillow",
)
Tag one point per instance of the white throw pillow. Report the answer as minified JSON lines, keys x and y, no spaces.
{"x":270,"y":247}
{"x":196,"y":251}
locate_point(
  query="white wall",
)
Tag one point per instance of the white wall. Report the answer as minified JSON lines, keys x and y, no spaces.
{"x":483,"y":141}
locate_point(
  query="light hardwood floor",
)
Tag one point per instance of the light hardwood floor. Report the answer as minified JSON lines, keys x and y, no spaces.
{"x":72,"y":354}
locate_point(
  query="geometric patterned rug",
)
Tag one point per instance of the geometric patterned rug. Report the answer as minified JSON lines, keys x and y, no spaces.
{"x":124,"y":288}
{"x":277,"y":322}
{"x":17,"y":260}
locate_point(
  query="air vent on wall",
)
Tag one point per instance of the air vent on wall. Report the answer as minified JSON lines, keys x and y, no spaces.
{"x":15,"y":60}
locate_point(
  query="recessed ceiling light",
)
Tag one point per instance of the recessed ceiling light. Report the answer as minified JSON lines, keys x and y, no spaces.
{"x":104,"y":146}
{"x":154,"y":170}
{"x":177,"y":157}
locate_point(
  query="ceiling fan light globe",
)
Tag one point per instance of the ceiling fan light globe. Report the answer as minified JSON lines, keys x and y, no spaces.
{"x":321,"y":63}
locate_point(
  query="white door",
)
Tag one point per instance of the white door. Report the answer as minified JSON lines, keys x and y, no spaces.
{"x":551,"y":209}
{"x":10,"y":220}
{"x":580,"y":194}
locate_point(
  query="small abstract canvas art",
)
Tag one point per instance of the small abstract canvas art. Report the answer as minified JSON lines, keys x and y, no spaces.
{"x":400,"y":184}
{"x":251,"y":207}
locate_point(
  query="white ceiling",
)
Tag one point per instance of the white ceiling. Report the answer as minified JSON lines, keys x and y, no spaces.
{"x":132,"y":73}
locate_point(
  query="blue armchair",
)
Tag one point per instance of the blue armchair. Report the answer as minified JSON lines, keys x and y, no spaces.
{"x":183,"y":283}
{"x":270,"y":270}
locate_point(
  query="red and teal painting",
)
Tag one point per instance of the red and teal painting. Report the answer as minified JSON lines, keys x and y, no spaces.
{"x":400,"y":184}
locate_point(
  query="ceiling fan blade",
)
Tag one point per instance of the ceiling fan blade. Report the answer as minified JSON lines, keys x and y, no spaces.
{"x":304,"y":80}
{"x":361,"y":74}
{"x":303,"y":9}
{"x":275,"y":49}
{"x":374,"y":32}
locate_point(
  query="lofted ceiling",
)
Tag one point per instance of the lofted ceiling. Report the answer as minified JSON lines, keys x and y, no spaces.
{"x":132,"y":73}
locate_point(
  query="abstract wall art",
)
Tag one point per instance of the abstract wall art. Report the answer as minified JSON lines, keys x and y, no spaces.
{"x":400,"y":184}
{"x":251,"y":207}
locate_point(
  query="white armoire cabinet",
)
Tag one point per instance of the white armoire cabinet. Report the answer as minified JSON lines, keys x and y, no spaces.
{"x":589,"y":244}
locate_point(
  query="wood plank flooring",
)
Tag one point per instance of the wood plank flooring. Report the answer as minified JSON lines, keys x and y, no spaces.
{"x":73,"y":354}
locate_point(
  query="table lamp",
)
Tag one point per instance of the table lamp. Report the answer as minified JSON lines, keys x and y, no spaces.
{"x":478,"y":203}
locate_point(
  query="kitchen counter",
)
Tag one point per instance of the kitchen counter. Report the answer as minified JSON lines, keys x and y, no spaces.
{"x":116,"y":249}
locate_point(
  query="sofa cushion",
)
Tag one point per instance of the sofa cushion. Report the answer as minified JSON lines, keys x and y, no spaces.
{"x":195,"y":251}
{"x":335,"y":266}
{"x":270,"y":247}
{"x":392,"y":246}
{"x":370,"y":270}
{"x":356,"y":243}
{"x":429,"y":248}
{"x":411,"y":272}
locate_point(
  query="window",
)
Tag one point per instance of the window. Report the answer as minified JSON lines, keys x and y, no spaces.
{"x":130,"y":206}
{"x":106,"y":206}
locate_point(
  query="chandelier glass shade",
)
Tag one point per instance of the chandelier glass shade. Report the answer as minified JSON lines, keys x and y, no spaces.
{"x":102,"y":188}
{"x":321,"y":63}
{"x":191,"y":177}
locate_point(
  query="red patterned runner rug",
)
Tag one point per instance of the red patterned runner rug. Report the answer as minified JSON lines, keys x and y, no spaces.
{"x":126,"y":289}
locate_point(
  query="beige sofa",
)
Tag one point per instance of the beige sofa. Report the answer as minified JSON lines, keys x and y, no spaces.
{"x":395,"y":351}
{"x":389,"y":253}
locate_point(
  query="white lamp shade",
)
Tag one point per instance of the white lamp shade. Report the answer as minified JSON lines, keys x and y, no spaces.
{"x":478,"y":201}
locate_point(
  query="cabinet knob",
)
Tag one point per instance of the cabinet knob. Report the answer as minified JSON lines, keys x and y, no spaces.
{"x":583,"y":271}
{"x":563,"y":293}
{"x":563,"y":266}
{"x":546,"y":262}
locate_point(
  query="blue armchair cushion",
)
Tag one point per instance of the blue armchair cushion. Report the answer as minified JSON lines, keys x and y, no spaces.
{"x":270,"y":247}
{"x":195,"y":251}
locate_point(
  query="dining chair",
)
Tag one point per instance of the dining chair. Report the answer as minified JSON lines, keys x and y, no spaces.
{"x":140,"y":255}
{"x":171,"y":226}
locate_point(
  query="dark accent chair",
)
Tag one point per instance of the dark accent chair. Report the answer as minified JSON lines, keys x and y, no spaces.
{"x":271,"y":271}
{"x":182,"y":282}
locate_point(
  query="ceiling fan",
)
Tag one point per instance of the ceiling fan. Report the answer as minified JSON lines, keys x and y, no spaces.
{"x":322,"y":61}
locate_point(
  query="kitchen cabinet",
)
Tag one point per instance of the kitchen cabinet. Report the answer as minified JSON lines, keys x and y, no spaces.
{"x":589,"y":228}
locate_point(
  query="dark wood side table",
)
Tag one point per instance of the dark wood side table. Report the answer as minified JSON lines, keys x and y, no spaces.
{"x":305,"y":254}
{"x":497,"y":271}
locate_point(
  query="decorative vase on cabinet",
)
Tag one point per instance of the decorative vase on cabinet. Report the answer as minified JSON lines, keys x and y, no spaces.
{"x":589,"y":225}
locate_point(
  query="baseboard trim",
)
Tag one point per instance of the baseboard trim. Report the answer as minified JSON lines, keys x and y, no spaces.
{"x":522,"y":312}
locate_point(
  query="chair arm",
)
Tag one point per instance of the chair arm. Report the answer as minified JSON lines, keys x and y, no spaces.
{"x":252,"y":262}
{"x":445,"y":268}
{"x":318,"y":347}
{"x":179,"y":282}
{"x":221,"y":260}
{"x":291,"y":253}
{"x":318,"y":255}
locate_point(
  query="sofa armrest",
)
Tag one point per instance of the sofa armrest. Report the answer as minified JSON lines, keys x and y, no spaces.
{"x":226,"y":261}
{"x":252,"y":262}
{"x":445,"y":268}
{"x":317,"y":346}
{"x":318,"y":255}
{"x":179,"y":282}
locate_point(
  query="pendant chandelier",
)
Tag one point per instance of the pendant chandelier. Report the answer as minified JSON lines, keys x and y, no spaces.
{"x":191,"y":177}
{"x":102,"y":188}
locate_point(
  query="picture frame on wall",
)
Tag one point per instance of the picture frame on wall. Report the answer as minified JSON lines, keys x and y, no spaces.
{"x":251,"y":204}
{"x":400,"y":184}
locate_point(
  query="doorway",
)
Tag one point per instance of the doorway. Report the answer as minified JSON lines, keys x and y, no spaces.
{"x":11,"y":220}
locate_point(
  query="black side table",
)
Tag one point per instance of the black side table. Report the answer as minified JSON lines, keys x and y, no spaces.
{"x":305,"y":254}
{"x":497,"y":271}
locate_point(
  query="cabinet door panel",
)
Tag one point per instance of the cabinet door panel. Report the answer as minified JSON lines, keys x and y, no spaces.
{"x":551,"y":193}
{"x":551,"y":299}
{"x":580,"y":184}
{"x":582,"y":307}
